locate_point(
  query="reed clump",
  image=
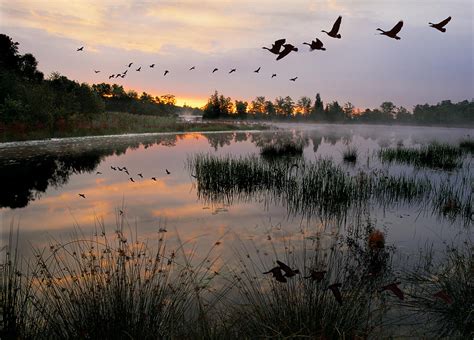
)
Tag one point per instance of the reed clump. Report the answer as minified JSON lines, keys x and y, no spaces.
{"x":283,"y":148}
{"x":434,"y":156}
{"x":350,"y":154}
{"x":441,"y":292}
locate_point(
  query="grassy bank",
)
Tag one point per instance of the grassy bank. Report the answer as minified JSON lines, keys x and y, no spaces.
{"x":111,"y":123}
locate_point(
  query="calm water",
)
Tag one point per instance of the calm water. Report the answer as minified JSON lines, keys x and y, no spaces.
{"x":41,"y":181}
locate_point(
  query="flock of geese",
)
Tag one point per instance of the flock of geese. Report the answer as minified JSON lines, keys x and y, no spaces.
{"x":283,"y":271}
{"x":124,"y":170}
{"x":282,"y":49}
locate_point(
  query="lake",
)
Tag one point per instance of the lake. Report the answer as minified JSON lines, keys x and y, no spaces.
{"x":42,"y":181}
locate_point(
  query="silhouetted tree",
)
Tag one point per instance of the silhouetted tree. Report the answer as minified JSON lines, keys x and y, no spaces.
{"x":241,"y":109}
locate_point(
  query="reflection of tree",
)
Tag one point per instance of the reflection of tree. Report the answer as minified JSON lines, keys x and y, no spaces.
{"x":241,"y":136}
{"x":26,"y":179}
{"x":217,"y":140}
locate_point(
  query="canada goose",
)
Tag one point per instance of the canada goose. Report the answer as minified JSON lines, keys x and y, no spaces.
{"x":337,"y":293}
{"x":286,"y":50}
{"x":277,"y":274}
{"x":293,"y":79}
{"x":82,"y":195}
{"x":138,"y":69}
{"x":192,"y":68}
{"x":288,"y":271}
{"x":258,"y":69}
{"x":440,"y":25}
{"x":394,"y":289}
{"x":131,"y":179}
{"x":315,"y":275}
{"x":96,"y":71}
{"x":167,"y":172}
{"x":232,"y":71}
{"x":315,"y":45}
{"x":393,"y":32}
{"x":141,"y":175}
{"x":113,"y":168}
{"x":335,"y":28}
{"x":125,"y":72}
{"x":98,"y":173}
{"x":276,"y":46}
{"x":152,"y":65}
{"x":80,"y":48}
{"x":274,"y":75}
{"x":214,"y":70}
{"x":129,"y":65}
{"x":166,"y":72}
{"x":112,"y":76}
{"x":154,"y":178}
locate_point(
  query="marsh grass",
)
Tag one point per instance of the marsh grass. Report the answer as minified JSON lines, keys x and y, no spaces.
{"x":17,"y":320}
{"x":467,"y":145}
{"x":320,"y":187}
{"x":451,"y":274}
{"x":282,"y":148}
{"x":434,"y":156}
{"x":303,"y":308}
{"x":350,"y":154}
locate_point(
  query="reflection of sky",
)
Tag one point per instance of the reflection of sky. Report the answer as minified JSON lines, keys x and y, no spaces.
{"x":424,"y":66}
{"x":172,"y":199}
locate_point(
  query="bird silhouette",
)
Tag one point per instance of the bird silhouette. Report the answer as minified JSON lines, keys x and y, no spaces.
{"x":274,"y":75}
{"x":131,"y":179}
{"x":112,"y":76}
{"x":440,"y":25}
{"x":192,"y":68}
{"x":141,"y":175}
{"x":98,"y":173}
{"x":444,"y":296}
{"x":335,"y":29}
{"x":286,"y":50}
{"x":393,"y":32}
{"x":96,"y":71}
{"x":315,"y":45}
{"x":394,"y":289}
{"x":125,"y":72}
{"x":276,"y":46}
{"x":129,"y":65}
{"x":293,"y":79}
{"x":337,"y":293}
{"x":152,"y":65}
{"x":113,"y":168}
{"x":138,"y":69}
{"x":82,"y":195}
{"x":126,"y":171}
{"x":121,"y":212}
{"x":121,"y":75}
{"x":154,"y":178}
{"x":166,"y":72}
{"x":214,"y":70}
{"x":167,"y":172}
{"x":80,"y":48}
{"x":277,"y":274}
{"x":288,"y":271}
{"x":119,"y":168}
{"x":233,"y":70}
{"x":317,"y":276}
{"x":258,"y":69}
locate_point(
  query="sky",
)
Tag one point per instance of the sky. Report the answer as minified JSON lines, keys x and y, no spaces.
{"x":364,"y":68}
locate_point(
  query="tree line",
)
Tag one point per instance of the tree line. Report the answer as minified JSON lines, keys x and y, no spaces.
{"x":305,"y":109}
{"x":28,"y":98}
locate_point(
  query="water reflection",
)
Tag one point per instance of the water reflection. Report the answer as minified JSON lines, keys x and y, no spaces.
{"x":42,"y":181}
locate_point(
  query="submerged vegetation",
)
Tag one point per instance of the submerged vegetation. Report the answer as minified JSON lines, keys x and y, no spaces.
{"x":350,"y":154}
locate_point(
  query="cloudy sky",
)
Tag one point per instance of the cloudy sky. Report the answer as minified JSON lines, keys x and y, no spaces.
{"x":362,"y":67}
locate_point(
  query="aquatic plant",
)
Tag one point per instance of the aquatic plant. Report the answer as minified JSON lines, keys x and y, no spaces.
{"x":282,"y":148}
{"x":441,"y":292}
{"x":350,"y":154}
{"x":467,"y":145}
{"x":434,"y":155}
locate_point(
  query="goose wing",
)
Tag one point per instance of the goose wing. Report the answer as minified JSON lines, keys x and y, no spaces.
{"x":279,"y":43}
{"x":337,"y":25}
{"x":396,"y":28}
{"x":444,"y":22}
{"x":284,"y":53}
{"x":318,"y":43}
